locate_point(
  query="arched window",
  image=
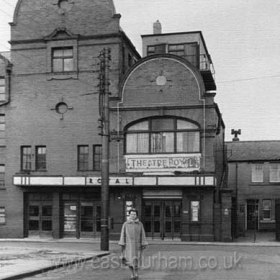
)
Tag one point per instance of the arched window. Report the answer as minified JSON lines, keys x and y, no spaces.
{"x":162,"y":135}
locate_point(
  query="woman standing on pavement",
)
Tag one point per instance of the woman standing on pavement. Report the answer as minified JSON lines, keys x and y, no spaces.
{"x":133,"y":241}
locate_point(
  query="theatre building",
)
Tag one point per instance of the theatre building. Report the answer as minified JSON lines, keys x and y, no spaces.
{"x":172,"y":152}
{"x":167,"y":152}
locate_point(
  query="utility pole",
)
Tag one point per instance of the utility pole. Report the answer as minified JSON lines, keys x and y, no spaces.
{"x":105,"y":57}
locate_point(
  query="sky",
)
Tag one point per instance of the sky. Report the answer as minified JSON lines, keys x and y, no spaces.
{"x":242,"y":37}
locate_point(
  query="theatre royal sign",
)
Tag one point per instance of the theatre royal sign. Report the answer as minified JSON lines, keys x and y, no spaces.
{"x":154,"y":163}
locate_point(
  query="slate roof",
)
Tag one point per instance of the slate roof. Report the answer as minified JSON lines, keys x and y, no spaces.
{"x":253,"y":151}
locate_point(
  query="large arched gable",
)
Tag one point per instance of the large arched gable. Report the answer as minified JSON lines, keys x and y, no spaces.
{"x":162,"y":80}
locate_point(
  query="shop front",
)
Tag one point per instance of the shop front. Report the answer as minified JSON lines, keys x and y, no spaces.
{"x":170,"y":207}
{"x":73,"y":214}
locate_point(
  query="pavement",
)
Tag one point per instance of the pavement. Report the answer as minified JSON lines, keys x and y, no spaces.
{"x":26,"y":257}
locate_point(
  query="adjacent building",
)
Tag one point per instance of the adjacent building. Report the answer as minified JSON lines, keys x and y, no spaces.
{"x":167,"y":151}
{"x":254,"y":177}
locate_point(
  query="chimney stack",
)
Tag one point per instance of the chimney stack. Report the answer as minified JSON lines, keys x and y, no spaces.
{"x":157,"y":27}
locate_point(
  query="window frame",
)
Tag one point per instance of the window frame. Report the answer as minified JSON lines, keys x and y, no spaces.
{"x":150,"y":131}
{"x":255,"y":179}
{"x":269,"y":209}
{"x":62,"y":58}
{"x":40,"y":158}
{"x":56,"y":44}
{"x":2,"y":215}
{"x":2,"y":122}
{"x":27,"y":156}
{"x":2,"y":176}
{"x":277,"y":180}
{"x":2,"y":129}
{"x":3,"y":86}
{"x":157,"y":49}
{"x":84,"y":161}
{"x":94,"y":157}
{"x":192,"y":58}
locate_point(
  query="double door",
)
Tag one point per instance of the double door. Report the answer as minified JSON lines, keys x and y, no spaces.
{"x":162,"y":218}
{"x":39,"y":218}
{"x":81,"y":219}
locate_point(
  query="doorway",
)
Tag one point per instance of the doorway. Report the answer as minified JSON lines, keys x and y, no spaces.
{"x":39,"y":215}
{"x":162,"y":218}
{"x":252,"y":214}
{"x":40,"y":219}
{"x":81,"y":219}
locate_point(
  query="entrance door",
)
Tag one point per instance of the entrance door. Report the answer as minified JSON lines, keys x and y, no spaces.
{"x":82,"y":219}
{"x":252,"y":214}
{"x":162,"y":219}
{"x":40,"y":218}
{"x":90,"y":219}
{"x":277,"y":219}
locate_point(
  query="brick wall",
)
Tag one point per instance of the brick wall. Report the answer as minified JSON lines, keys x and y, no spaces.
{"x":31,"y":118}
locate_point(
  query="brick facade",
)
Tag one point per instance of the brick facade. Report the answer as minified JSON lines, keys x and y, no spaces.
{"x":58,"y":111}
{"x":31,"y":116}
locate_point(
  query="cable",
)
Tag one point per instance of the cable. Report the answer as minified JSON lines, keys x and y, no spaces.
{"x":6,"y":13}
{"x":13,"y":6}
{"x":249,"y":79}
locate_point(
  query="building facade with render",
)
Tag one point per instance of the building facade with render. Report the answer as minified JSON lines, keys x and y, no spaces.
{"x":167,"y":152}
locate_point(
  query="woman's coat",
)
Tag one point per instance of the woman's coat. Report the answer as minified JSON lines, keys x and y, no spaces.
{"x":133,"y":237}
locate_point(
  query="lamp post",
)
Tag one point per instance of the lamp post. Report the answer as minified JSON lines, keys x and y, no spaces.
{"x":104,"y":125}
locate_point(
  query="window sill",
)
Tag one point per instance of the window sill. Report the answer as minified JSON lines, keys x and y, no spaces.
{"x":267,"y":221}
{"x":83,"y":171}
{"x":261,"y":184}
{"x":28,"y":172}
{"x":164,"y":153}
{"x":73,"y":75}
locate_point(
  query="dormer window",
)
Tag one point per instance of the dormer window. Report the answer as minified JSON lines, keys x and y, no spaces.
{"x":62,"y":60}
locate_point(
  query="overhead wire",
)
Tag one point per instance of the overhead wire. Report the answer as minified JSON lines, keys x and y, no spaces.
{"x":248,"y":79}
{"x":6,"y":13}
{"x":13,"y":6}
